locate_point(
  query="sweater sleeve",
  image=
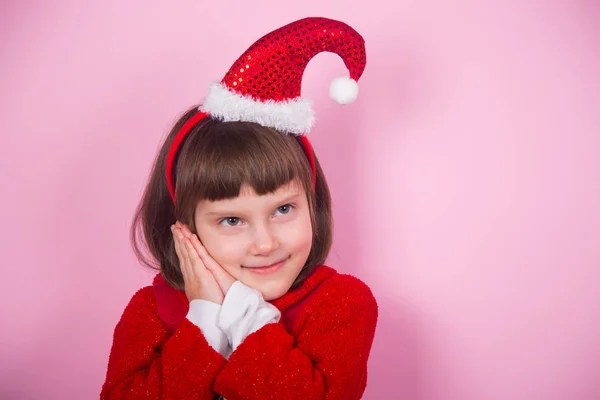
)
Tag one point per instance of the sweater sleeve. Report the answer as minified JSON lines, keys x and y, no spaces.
{"x":204,"y":314}
{"x":327,"y":358}
{"x":146,"y":362}
{"x":243,"y":312}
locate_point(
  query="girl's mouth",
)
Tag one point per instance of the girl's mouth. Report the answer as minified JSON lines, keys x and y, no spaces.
{"x":266,"y":269}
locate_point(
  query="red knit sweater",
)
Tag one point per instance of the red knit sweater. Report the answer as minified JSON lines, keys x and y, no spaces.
{"x":317,"y":351}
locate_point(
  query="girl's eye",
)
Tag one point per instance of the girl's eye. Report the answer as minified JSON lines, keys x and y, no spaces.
{"x":230,"y":221}
{"x":284,"y":209}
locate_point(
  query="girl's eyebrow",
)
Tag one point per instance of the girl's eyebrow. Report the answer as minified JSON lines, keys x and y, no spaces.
{"x":290,"y":197}
{"x":221,"y":213}
{"x":225,"y":212}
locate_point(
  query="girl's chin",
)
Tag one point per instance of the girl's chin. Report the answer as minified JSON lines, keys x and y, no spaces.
{"x":270,"y":295}
{"x":270,"y":289}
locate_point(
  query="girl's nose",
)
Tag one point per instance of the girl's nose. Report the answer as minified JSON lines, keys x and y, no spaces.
{"x":265,"y":241}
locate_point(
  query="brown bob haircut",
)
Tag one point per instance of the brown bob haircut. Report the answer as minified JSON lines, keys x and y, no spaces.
{"x":213,"y":163}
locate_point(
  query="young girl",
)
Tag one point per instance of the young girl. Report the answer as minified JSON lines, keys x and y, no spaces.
{"x":237,"y":217}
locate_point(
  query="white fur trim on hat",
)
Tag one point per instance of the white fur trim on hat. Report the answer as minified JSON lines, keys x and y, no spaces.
{"x":291,"y":116}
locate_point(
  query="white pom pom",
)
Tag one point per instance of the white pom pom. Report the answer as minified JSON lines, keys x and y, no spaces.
{"x":343,"y":90}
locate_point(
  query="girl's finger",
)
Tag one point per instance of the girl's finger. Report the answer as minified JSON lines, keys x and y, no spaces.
{"x":223,"y":278}
{"x":208,"y":261}
{"x":176,"y":242}
{"x":187,"y":259}
{"x":186,"y":234}
{"x":182,"y":264}
{"x":185,"y":230}
{"x":196,"y":264}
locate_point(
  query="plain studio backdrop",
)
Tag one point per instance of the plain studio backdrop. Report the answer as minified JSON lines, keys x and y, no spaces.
{"x":465,"y":179}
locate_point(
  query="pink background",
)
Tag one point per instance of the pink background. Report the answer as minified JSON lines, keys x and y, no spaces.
{"x":466,"y":181}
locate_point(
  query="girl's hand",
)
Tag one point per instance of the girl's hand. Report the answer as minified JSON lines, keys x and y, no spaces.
{"x":200,"y":284}
{"x":222,"y":277}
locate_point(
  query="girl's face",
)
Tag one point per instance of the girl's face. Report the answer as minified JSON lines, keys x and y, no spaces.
{"x":262,"y":241}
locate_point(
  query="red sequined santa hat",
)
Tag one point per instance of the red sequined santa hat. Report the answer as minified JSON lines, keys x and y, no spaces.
{"x":264,"y":84}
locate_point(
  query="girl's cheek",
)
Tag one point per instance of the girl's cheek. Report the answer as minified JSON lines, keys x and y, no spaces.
{"x":297,"y":233}
{"x":228,"y":250}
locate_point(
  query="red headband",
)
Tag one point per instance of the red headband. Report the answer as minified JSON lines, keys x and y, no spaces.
{"x":263,"y":85}
{"x":199,"y":116}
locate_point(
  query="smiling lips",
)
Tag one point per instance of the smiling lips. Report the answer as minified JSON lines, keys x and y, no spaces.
{"x":268,"y":269}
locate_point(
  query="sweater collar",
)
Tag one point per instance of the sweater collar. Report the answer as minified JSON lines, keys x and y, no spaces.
{"x":320,"y":274}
